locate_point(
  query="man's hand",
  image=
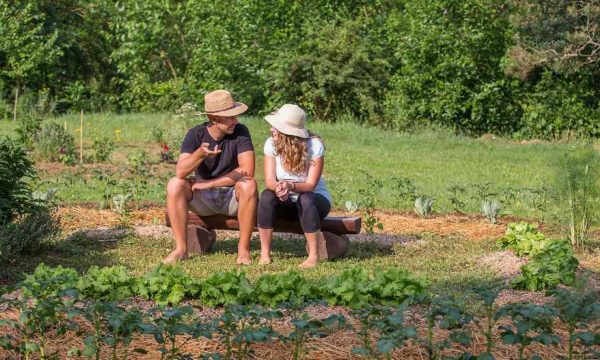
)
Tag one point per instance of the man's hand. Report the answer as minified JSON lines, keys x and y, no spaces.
{"x":200,"y":185}
{"x":204,"y":151}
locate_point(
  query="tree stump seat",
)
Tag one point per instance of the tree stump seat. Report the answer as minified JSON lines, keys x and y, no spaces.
{"x":201,"y":232}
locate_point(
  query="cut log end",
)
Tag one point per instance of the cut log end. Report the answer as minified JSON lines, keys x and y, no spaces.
{"x":335,"y":246}
{"x":200,"y":240}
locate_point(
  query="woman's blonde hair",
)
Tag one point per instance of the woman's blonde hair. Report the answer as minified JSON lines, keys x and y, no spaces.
{"x":293,"y":151}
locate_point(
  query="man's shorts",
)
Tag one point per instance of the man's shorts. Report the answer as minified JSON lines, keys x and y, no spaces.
{"x":216,"y":201}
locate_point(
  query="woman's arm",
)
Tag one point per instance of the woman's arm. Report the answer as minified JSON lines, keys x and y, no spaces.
{"x":315,"y":169}
{"x":270,"y":173}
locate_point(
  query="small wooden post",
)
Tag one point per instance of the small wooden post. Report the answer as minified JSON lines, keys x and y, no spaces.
{"x":81,"y":137}
{"x":16,"y":101}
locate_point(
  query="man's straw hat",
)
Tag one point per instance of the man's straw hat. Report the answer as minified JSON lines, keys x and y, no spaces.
{"x":290,"y":120}
{"x":221,"y":103}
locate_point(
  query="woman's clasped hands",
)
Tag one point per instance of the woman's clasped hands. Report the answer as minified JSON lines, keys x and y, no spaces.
{"x":282,"y":189}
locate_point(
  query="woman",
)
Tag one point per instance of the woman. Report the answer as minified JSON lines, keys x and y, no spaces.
{"x":293,"y":166}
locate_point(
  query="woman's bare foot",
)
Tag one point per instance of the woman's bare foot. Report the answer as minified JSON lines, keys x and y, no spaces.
{"x":175,"y":256}
{"x":310,"y":262}
{"x":264,"y":260}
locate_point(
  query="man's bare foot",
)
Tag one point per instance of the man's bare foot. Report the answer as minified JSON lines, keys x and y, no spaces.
{"x":175,"y":256}
{"x":264,"y":260}
{"x":309,"y":263}
{"x":244,"y":260}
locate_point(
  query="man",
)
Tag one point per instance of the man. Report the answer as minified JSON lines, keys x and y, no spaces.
{"x":221,"y":153}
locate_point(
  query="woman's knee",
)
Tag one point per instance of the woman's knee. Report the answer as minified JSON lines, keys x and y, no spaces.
{"x":306,"y":199}
{"x":267,"y":196}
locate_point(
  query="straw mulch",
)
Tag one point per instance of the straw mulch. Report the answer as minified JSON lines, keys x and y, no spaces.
{"x":469,"y":226}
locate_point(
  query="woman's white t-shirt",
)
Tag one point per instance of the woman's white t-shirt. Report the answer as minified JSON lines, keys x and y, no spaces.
{"x":315,"y":149}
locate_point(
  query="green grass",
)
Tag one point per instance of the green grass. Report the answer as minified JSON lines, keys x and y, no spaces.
{"x":521,"y":176}
{"x":447,"y":264}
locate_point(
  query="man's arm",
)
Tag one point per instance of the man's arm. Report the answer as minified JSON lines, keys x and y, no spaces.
{"x":245,"y":168}
{"x":186,"y":163}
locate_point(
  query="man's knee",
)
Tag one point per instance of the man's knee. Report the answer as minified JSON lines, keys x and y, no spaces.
{"x":177,"y":187}
{"x":246,"y":187}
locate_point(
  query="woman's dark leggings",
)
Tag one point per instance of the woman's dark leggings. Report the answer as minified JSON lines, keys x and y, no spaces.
{"x":310,"y":208}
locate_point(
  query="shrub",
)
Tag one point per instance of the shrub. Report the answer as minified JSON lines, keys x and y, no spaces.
{"x":55,"y":144}
{"x":16,"y":170}
{"x":559,"y":107}
{"x":29,"y":233}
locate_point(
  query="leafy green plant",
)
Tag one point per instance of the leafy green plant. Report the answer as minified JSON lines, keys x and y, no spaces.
{"x":305,"y":327}
{"x":578,"y":310}
{"x":112,"y":325}
{"x":47,"y":282}
{"x":555,"y":264}
{"x":107,"y":283}
{"x":351,"y":206}
{"x":170,"y":323}
{"x":55,"y":144}
{"x":37,"y":317}
{"x":395,"y":285}
{"x":166,"y":284}
{"x":491,"y":210}
{"x":368,"y":202}
{"x":423,"y":206}
{"x":120,"y":201}
{"x":290,"y":288}
{"x":405,"y":192}
{"x":102,"y":146}
{"x":393,"y":331}
{"x":138,"y":162}
{"x":226,"y":288}
{"x":350,"y":288}
{"x":530,"y":324}
{"x":523,"y":238}
{"x":241,"y":326}
{"x":448,"y":314}
{"x":488,"y":297}
{"x":455,"y":196}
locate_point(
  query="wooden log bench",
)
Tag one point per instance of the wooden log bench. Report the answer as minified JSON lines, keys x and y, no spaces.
{"x":201,"y":234}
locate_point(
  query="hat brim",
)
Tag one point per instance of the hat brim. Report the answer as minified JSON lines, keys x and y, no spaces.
{"x":237,"y":109}
{"x":284,"y":128}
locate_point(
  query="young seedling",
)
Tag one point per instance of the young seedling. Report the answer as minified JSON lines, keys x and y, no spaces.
{"x":446,"y":313}
{"x":305,"y":328}
{"x":169,"y":324}
{"x":578,"y":310}
{"x":491,"y":210}
{"x":530,"y":324}
{"x":242,"y":326}
{"x":488,"y":297}
{"x":423,"y":206}
{"x":113,"y":325}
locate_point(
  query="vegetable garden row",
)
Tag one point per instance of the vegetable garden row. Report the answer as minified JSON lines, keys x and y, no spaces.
{"x":100,"y":307}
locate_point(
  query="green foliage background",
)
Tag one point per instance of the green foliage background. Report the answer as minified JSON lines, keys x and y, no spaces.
{"x":397,"y":64}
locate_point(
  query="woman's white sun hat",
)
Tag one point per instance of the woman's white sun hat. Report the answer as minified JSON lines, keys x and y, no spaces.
{"x":290,"y":120}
